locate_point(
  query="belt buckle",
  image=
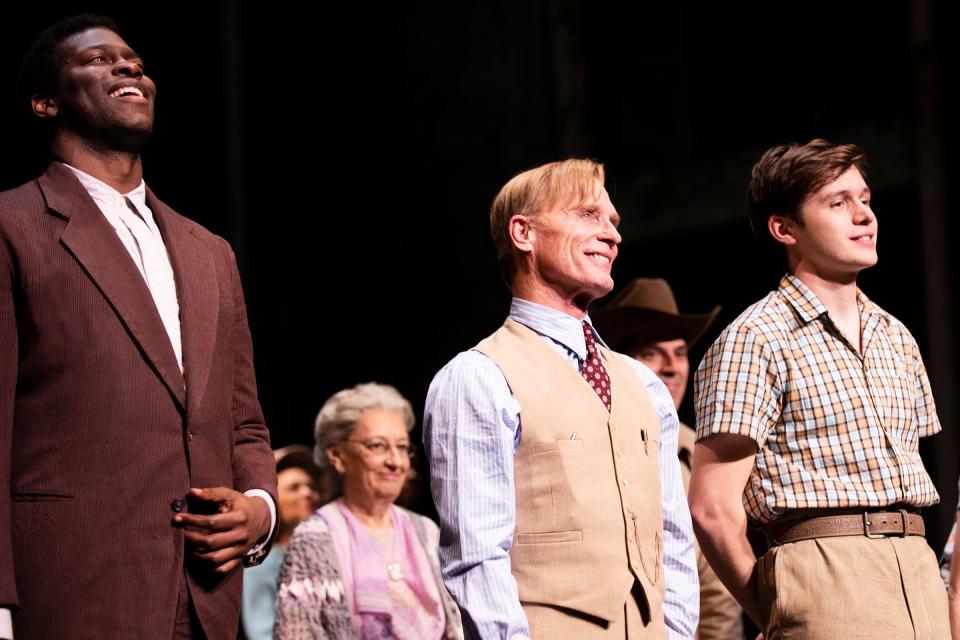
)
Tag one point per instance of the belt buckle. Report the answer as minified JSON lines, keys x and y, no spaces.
{"x":903,"y":518}
{"x":866,"y":527}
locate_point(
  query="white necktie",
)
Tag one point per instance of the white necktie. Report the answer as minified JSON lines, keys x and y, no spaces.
{"x":154,"y":265}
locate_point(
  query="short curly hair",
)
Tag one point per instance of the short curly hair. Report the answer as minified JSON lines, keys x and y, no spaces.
{"x":40,"y":69}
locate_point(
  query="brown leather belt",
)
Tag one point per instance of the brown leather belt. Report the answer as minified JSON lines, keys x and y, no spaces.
{"x":872,"y":524}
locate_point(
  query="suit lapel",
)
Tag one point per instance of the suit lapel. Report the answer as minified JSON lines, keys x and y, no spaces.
{"x":197,"y":293}
{"x":95,"y":245}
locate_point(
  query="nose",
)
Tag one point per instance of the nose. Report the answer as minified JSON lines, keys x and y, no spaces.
{"x":394,"y":457}
{"x":669,"y":364}
{"x":307,"y":490}
{"x":128,"y":68}
{"x":863,"y":214}
{"x":610,"y":233}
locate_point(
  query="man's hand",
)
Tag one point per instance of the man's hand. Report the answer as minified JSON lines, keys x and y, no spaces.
{"x":236,"y":523}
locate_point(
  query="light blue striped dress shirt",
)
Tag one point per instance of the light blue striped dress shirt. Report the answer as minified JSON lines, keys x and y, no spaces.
{"x":471,"y":429}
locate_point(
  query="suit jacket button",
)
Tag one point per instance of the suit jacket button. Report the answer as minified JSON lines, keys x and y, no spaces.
{"x":177,"y":505}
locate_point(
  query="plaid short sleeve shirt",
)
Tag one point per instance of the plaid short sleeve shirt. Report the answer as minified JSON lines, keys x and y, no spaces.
{"x":834,"y":428}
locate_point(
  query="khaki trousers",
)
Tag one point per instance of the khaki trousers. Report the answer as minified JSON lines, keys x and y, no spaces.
{"x":551,"y":623}
{"x":853,"y":588}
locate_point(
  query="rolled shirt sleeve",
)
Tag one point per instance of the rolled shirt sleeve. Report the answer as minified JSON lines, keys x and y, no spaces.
{"x":737,"y":387}
{"x":925,"y":410}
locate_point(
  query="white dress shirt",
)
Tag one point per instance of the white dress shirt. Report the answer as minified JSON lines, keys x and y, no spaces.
{"x":133,"y":221}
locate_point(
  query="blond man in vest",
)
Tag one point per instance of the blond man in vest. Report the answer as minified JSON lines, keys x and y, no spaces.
{"x":644,"y":322}
{"x":553,"y":459}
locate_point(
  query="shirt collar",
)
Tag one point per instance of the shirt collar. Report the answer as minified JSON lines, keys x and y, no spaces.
{"x":870,"y":314}
{"x":809,"y":307}
{"x":101,"y":192}
{"x":556,"y":325}
{"x":799,"y":296}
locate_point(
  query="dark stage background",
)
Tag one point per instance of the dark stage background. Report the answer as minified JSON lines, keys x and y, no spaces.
{"x":350,"y":155}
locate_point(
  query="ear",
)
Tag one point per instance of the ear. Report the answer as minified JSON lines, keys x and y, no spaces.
{"x":781,"y":228}
{"x":43,"y":105}
{"x":522,"y":233}
{"x":335,"y":457}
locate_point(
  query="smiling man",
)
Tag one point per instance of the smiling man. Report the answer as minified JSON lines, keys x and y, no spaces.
{"x":553,"y":459}
{"x":809,"y":407}
{"x":135,"y":468}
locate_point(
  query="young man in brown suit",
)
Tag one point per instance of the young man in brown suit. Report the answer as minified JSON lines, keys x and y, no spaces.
{"x":553,"y":459}
{"x":644,"y":322}
{"x":135,"y":467}
{"x":810,"y":407}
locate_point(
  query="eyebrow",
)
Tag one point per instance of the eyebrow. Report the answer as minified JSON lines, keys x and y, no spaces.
{"x":125,"y":52}
{"x":845,"y":192}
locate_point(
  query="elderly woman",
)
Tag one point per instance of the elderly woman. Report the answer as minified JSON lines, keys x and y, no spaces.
{"x":362,"y":567}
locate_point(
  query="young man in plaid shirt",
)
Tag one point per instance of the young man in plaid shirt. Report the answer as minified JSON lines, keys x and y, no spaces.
{"x":809,"y":407}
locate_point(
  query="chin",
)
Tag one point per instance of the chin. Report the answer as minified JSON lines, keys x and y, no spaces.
{"x":388,"y":496}
{"x":128,"y":137}
{"x":603,"y":290}
{"x":132,"y":140}
{"x":860,"y":265}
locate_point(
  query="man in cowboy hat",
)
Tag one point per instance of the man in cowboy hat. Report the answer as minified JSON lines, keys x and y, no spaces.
{"x":643,"y":321}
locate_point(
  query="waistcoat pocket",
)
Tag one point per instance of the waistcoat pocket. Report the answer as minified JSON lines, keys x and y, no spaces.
{"x":651,"y":565}
{"x":550,"y":537}
{"x":558,"y":445}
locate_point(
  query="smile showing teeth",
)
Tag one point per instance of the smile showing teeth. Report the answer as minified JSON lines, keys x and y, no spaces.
{"x":126,"y":91}
{"x":596,"y":257}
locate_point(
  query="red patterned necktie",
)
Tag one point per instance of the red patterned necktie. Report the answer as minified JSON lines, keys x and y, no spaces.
{"x":593,"y":371}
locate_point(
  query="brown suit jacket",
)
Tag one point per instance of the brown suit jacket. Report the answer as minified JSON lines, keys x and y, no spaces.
{"x":101,"y":436}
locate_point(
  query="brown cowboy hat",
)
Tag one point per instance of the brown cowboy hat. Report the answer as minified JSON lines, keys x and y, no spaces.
{"x":646,"y":311}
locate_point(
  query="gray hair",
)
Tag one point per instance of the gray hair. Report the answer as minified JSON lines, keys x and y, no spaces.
{"x":339,"y":415}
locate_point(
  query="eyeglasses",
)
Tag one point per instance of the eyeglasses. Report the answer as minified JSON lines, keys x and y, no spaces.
{"x":380,"y":447}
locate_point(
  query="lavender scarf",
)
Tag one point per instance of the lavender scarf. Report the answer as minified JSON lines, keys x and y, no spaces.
{"x":364,"y":564}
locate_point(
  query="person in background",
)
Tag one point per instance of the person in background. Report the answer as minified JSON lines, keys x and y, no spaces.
{"x":643,"y":322}
{"x":361,"y":567}
{"x":297,"y":497}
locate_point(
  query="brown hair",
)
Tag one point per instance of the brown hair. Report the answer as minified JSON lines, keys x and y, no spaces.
{"x":536,"y":190}
{"x":788,"y":174}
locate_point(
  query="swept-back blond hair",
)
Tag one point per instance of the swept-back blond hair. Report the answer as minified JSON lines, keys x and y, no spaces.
{"x":537,"y":190}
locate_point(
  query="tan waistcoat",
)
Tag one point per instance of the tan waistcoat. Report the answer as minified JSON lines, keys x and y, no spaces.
{"x":588,"y":521}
